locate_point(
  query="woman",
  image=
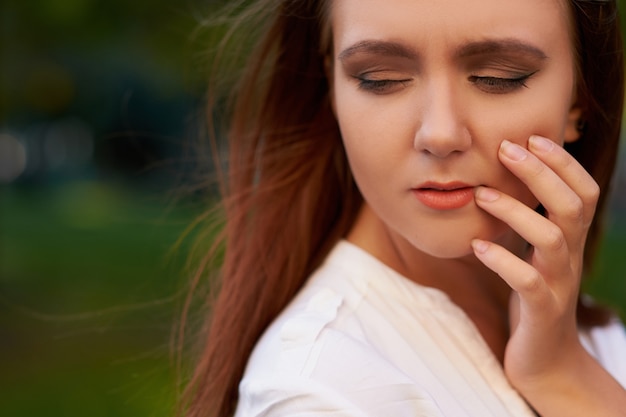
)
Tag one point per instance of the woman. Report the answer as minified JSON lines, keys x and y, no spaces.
{"x":406,"y":232}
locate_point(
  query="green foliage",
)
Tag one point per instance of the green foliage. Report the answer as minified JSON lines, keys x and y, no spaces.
{"x":90,"y":293}
{"x":608,"y":282}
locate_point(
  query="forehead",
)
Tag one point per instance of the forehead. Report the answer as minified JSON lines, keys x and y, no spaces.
{"x":441,"y":23}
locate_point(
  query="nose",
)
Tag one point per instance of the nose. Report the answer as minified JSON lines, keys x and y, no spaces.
{"x":441,"y":130}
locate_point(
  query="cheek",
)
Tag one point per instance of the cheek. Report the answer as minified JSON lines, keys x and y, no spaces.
{"x":374,"y":135}
{"x":541,"y":112}
{"x":517,"y":122}
{"x":542,"y":107}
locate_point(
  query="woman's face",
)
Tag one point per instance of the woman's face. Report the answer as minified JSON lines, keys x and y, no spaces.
{"x":425,"y":91}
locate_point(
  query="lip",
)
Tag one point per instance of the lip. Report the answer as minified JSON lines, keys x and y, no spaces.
{"x":448,"y":196}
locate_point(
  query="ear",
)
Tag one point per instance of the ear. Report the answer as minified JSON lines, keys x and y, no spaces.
{"x":573,"y":129}
{"x":329,"y":71}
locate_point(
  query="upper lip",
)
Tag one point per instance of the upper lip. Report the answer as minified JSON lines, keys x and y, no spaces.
{"x":447,"y":186}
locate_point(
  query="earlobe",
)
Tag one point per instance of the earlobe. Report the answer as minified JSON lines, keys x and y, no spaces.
{"x":575,"y":125}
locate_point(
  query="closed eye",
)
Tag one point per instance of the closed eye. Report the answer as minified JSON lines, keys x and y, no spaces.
{"x":381,"y":86}
{"x":500,"y":85}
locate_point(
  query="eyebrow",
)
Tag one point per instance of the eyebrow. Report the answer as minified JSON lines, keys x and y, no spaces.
{"x":499,"y":46}
{"x":486,"y":47}
{"x":385,"y":48}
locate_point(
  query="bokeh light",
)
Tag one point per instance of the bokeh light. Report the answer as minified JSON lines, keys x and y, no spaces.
{"x":12,"y":158}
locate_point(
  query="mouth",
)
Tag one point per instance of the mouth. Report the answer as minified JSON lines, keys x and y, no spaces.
{"x":444,"y":196}
{"x":449,"y":186}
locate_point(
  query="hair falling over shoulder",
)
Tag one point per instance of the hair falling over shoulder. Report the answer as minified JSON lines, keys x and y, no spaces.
{"x":288,"y":194}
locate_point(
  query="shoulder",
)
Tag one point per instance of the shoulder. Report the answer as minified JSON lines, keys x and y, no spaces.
{"x":311,"y":364}
{"x":317,"y":357}
{"x":340,"y":315}
{"x":608,"y":345}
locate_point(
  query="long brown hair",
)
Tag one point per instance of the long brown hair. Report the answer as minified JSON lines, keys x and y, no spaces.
{"x":289,"y":194}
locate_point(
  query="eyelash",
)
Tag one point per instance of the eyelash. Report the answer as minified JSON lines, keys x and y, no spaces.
{"x":380,"y":86}
{"x":497,"y":85}
{"x":492,"y":85}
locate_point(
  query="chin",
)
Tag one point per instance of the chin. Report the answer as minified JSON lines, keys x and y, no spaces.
{"x":456,"y":242}
{"x":459,"y":248}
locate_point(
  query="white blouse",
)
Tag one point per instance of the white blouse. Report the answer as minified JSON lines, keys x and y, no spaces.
{"x":361,"y":340}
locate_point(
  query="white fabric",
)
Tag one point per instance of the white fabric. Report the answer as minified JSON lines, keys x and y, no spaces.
{"x":361,"y":340}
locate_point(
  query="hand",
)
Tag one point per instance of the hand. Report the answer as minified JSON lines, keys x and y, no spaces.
{"x":546,"y":283}
{"x":544,"y":359}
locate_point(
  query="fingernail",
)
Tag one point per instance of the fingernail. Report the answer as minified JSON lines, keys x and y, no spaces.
{"x":480,"y":246}
{"x":487,"y":194}
{"x":513,"y":151}
{"x":541,"y":144}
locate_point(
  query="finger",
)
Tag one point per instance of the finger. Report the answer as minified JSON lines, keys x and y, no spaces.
{"x":569,"y":170}
{"x":519,"y":275}
{"x":533,"y":299}
{"x":564,"y":206}
{"x":551,"y":247}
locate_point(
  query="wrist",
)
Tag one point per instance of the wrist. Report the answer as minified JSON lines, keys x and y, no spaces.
{"x":577,"y":385}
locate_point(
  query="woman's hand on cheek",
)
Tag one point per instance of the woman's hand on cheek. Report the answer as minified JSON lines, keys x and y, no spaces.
{"x":547,"y":280}
{"x":544,"y":357}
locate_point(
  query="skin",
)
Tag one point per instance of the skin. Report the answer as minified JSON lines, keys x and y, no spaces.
{"x":479,"y":92}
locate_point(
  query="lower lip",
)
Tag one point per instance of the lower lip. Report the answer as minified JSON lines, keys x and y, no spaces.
{"x":445,"y":199}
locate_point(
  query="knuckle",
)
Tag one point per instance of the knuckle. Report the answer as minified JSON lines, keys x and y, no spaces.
{"x":592,"y":194}
{"x":532,"y":282}
{"x":554,"y":238}
{"x":575,"y":210}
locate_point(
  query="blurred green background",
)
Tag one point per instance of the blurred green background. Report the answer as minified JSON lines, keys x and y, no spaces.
{"x":101,"y":102}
